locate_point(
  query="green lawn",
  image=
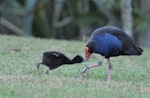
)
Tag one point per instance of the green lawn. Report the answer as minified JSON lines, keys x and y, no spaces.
{"x":19,"y":78}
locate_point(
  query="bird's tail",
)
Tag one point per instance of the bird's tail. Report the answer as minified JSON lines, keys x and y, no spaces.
{"x":136,"y":49}
{"x":139,"y":50}
{"x":133,"y":51}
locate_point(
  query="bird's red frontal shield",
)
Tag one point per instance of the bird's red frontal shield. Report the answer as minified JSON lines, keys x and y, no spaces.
{"x":87,"y":54}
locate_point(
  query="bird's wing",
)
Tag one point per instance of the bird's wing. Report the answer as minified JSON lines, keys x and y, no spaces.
{"x":129,"y":45}
{"x":52,"y":54}
{"x":55,"y":54}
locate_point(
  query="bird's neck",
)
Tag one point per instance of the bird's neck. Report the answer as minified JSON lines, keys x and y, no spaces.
{"x":96,"y":47}
{"x":73,"y":61}
{"x":67,"y":61}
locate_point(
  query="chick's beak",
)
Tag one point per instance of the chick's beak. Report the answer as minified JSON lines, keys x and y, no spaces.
{"x":87,"y":53}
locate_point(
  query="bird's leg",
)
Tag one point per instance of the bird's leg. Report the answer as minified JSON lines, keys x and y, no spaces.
{"x":38,"y":65}
{"x":91,"y":66}
{"x":109,"y":70}
{"x":47,"y":71}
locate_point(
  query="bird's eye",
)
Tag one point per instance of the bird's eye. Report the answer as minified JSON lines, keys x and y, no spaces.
{"x":91,"y":50}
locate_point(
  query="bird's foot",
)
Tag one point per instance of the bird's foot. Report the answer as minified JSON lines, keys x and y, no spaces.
{"x":108,"y":80}
{"x":84,"y":71}
{"x":47,"y":72}
{"x":39,"y":73}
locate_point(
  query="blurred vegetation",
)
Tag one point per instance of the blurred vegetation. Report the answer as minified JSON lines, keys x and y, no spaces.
{"x":67,"y":19}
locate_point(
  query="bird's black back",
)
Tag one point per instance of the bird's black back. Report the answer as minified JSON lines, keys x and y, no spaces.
{"x":54,"y":59}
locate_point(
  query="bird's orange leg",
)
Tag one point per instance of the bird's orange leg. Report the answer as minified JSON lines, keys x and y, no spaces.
{"x":109,"y":70}
{"x":85,"y":70}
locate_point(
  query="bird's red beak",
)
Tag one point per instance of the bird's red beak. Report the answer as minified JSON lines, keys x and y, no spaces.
{"x":87,"y":53}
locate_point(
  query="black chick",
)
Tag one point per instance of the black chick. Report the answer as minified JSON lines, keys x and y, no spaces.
{"x":55,"y":59}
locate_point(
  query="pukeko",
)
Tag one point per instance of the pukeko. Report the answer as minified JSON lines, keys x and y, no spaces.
{"x":55,"y":59}
{"x":110,"y":41}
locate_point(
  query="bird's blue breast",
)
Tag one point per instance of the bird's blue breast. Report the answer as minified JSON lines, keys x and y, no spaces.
{"x":107,"y":44}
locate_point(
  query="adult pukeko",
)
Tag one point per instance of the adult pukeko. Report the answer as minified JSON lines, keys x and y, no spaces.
{"x":55,"y":59}
{"x":110,"y":41}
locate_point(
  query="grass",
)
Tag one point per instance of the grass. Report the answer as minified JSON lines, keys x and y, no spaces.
{"x":19,"y":78}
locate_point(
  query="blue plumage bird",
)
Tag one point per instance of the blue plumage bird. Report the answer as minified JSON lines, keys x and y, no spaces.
{"x":110,"y":41}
